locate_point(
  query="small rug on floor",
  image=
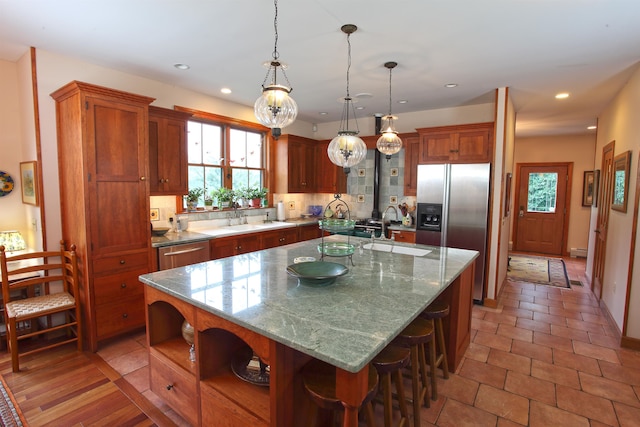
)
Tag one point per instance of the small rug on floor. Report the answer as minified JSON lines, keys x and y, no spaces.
{"x":539,"y":270}
{"x":8,"y":413}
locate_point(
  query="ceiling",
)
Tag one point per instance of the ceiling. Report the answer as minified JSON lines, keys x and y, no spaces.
{"x":537,"y":48}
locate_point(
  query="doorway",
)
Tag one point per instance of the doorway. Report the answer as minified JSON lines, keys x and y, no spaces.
{"x":602,"y":221}
{"x":542,"y":197}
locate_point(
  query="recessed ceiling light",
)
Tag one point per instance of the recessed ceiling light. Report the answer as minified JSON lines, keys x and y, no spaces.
{"x":450,"y":85}
{"x":225,"y":90}
{"x":592,"y":127}
{"x":562,"y":95}
{"x":360,"y":107}
{"x":323,"y":113}
{"x":403,"y":101}
{"x":181,"y":66}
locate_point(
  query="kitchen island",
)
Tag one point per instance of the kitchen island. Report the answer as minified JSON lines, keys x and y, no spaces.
{"x":251,"y":301}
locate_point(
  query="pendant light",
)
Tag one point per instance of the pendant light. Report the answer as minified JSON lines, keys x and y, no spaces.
{"x":275,"y":109}
{"x":347,"y":149}
{"x":389,"y":143}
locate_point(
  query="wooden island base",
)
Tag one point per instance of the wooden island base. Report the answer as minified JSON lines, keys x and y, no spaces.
{"x":206,"y":392}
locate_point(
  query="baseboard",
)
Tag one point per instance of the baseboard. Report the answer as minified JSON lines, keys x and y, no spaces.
{"x":630,"y":343}
{"x":491,"y":303}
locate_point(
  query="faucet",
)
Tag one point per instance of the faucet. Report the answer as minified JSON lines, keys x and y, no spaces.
{"x":383,"y":234}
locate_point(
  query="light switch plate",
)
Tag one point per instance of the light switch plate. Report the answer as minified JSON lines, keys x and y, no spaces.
{"x":292,"y":205}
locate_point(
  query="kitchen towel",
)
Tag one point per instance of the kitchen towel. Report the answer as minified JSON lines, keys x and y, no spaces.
{"x":280,"y":212}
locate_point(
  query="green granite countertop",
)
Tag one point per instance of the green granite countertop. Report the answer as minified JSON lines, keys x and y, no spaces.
{"x":346,"y":323}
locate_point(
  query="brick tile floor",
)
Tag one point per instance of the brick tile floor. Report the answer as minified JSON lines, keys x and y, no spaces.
{"x":545,"y":357}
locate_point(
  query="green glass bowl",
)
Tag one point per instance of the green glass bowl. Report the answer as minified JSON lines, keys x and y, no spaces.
{"x":337,"y":225}
{"x":317,"y":273}
{"x":336,"y":248}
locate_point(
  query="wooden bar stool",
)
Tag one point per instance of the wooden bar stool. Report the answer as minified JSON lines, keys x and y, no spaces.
{"x":436,"y":312}
{"x":319,"y":379}
{"x":415,"y":337}
{"x":389,"y":363}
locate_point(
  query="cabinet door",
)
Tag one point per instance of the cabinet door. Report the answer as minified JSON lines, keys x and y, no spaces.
{"x":308,"y":232}
{"x":301,"y":172}
{"x":222,"y":247}
{"x":117,"y":181}
{"x":473,"y":146}
{"x":411,"y":157}
{"x":437,"y":148}
{"x":248,"y":243}
{"x":329,"y":177}
{"x":167,"y":152}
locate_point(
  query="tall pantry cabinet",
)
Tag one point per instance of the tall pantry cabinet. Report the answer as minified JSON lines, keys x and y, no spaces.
{"x":104,"y":202}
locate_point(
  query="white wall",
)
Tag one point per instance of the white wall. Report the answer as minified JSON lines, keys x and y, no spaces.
{"x":619,"y":123}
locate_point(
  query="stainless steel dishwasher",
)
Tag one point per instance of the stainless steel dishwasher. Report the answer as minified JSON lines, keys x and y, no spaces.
{"x":183,"y":254}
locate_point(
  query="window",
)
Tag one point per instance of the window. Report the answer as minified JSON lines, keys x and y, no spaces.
{"x":224,"y":155}
{"x":543,"y":191}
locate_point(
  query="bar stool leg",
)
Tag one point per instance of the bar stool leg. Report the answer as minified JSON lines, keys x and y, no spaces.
{"x":433,"y":362}
{"x":443,"y":349}
{"x":402,"y":402}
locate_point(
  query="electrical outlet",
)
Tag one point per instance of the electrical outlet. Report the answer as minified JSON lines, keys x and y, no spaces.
{"x":292,"y":205}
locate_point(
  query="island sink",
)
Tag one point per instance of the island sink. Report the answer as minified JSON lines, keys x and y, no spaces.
{"x":383,"y":247}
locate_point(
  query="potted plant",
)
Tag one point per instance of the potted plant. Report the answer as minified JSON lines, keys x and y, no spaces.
{"x":225,"y":196}
{"x":208,"y":202}
{"x":256,"y":195}
{"x":192,"y":198}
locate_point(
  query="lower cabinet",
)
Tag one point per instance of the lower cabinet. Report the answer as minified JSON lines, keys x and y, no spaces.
{"x":222,"y":247}
{"x":309,"y":232}
{"x":404,"y":236}
{"x":271,"y":239}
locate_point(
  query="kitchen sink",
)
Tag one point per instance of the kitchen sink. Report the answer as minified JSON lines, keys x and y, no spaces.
{"x":383,"y":247}
{"x":243,"y":228}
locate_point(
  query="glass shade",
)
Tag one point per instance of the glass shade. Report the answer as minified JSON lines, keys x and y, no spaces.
{"x":346,"y":150}
{"x":389,"y":142}
{"x":12,"y":241}
{"x":275,"y":108}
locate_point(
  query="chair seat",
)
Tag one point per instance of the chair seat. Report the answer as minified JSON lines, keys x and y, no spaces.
{"x":42,"y":305}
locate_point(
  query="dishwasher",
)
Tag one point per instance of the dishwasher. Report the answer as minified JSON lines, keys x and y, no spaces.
{"x":182,"y":254}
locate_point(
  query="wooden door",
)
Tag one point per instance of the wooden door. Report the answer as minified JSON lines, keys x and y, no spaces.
{"x":541,"y":204}
{"x":604,"y":203}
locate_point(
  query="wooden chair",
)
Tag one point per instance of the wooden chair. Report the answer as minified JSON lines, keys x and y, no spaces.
{"x":40,"y":289}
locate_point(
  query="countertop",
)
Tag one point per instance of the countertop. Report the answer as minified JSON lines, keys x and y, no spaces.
{"x":346,"y":323}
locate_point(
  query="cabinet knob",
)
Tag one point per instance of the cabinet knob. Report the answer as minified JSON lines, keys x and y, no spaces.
{"x":142,"y":178}
{"x":166,"y":180}
{"x":123,"y":285}
{"x":169,"y":386}
{"x":122,"y":262}
{"x":161,"y":180}
{"x":125,"y":315}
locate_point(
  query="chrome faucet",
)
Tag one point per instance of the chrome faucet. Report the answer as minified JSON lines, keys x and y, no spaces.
{"x":383,"y":234}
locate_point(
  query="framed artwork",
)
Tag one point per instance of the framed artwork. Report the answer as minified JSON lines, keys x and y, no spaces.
{"x":507,"y":194}
{"x":588,"y":187}
{"x":29,"y":182}
{"x":621,"y":164}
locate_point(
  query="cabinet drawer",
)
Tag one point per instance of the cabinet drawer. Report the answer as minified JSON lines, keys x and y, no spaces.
{"x":121,"y":262}
{"x":119,"y":316}
{"x":404,"y":236}
{"x":177,"y":388}
{"x":117,"y":286}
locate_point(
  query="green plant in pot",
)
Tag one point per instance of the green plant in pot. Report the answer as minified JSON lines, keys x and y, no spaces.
{"x":256,"y":195}
{"x":225,"y":196}
{"x":192,"y":198}
{"x":208,"y":201}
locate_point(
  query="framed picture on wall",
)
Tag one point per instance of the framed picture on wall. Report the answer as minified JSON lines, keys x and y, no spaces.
{"x":507,"y":194}
{"x":588,"y":187}
{"x":29,"y":182}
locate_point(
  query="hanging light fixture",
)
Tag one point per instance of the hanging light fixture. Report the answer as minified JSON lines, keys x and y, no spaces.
{"x":275,"y":109}
{"x":347,"y":149}
{"x":389,"y":142}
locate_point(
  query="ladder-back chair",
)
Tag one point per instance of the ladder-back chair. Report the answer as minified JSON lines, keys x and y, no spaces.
{"x":41,"y":301}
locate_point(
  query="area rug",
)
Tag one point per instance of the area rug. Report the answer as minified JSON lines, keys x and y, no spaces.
{"x":539,"y":270}
{"x":8,"y":413}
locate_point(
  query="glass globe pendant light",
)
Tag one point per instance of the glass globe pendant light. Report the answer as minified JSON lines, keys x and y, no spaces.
{"x":389,"y":142}
{"x":275,"y":109}
{"x":347,"y":149}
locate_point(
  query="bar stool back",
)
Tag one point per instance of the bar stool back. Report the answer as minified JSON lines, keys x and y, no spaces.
{"x":319,"y":380}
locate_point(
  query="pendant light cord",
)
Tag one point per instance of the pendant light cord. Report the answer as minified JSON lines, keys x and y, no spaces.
{"x":276,"y":55}
{"x":390,"y":70}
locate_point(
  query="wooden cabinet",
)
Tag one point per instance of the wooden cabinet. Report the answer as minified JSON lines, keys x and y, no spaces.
{"x":222,"y":247}
{"x":456,"y":144}
{"x":295,"y":168}
{"x":329,"y":177}
{"x":309,"y":232}
{"x":405,"y":236}
{"x":104,"y":201}
{"x":271,"y":239}
{"x":167,"y":152}
{"x":411,"y":157}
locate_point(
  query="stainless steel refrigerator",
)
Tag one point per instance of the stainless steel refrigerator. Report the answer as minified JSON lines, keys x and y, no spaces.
{"x":453,"y":211}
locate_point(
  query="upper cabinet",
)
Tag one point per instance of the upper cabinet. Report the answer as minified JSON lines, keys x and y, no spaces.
{"x":456,"y":144}
{"x":295,"y":166}
{"x":167,"y":152}
{"x":411,"y":157}
{"x":329,"y":177}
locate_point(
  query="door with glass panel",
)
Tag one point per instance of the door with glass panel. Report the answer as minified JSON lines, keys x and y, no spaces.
{"x":541,"y":217}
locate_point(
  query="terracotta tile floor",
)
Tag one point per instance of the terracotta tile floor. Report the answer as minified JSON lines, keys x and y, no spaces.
{"x":545,"y":357}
